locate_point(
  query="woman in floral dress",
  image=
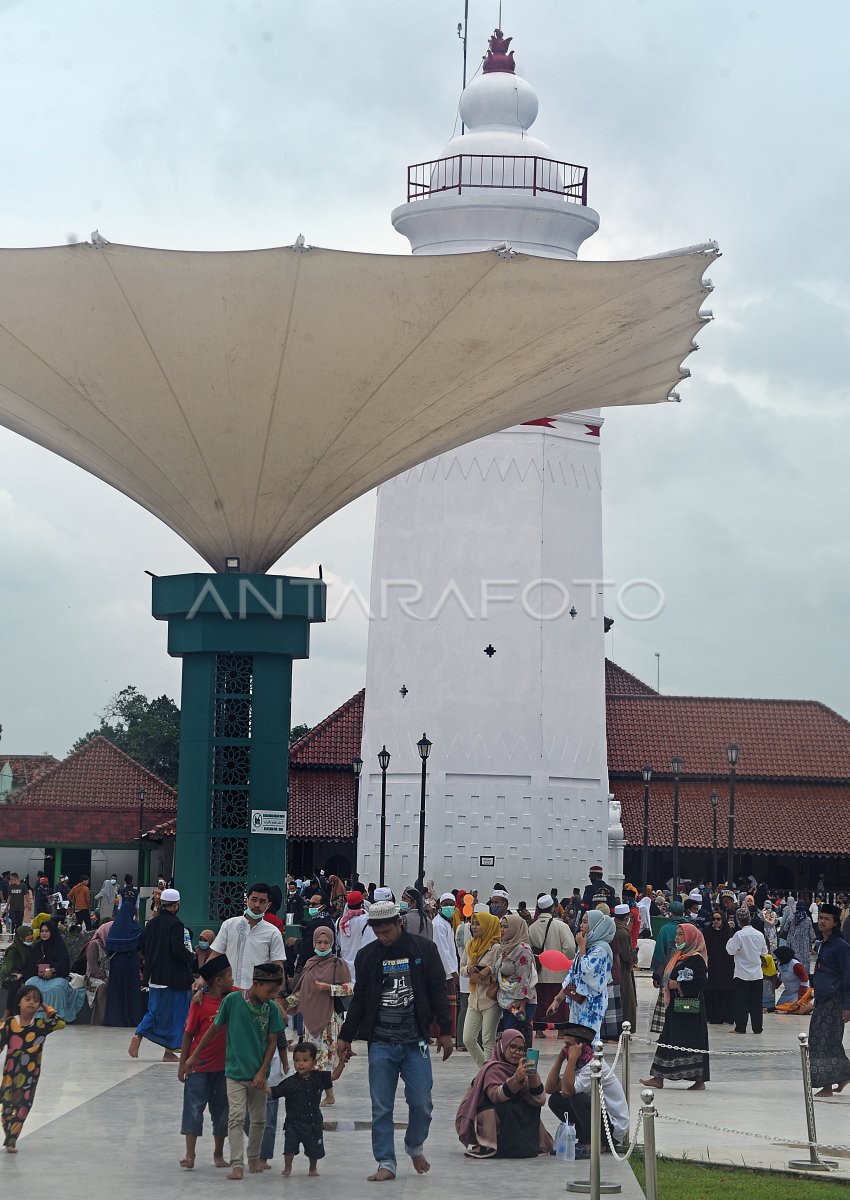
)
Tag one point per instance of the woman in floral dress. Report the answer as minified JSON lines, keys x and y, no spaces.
{"x":586,"y":985}
{"x":325,"y":978}
{"x":517,"y":977}
{"x":22,"y":1035}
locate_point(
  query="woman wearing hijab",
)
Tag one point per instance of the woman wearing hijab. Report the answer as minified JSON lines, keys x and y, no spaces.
{"x":771,"y":936}
{"x":717,"y":994}
{"x":586,"y":984}
{"x":684,"y":1023}
{"x":416,"y":919}
{"x":97,"y":972}
{"x":48,"y":968}
{"x":830,"y":1064}
{"x":478,"y":965}
{"x":500,"y":1114}
{"x":324,"y":980}
{"x":517,"y":976}
{"x":14,"y":965}
{"x":203,"y":953}
{"x":799,"y":933}
{"x":124,"y":997}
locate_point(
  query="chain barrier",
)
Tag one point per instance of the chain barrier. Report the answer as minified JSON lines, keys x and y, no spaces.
{"x":763,"y":1137}
{"x":633,"y":1138}
{"x":719,"y":1053}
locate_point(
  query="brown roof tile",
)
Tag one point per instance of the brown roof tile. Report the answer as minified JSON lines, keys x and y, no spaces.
{"x":25,"y":767}
{"x":621,"y":682}
{"x":334,"y":741}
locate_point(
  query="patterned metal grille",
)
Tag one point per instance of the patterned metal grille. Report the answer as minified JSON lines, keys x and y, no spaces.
{"x":230,"y":792}
{"x":234,"y":674}
{"x":230,"y":809}
{"x":232,"y":717}
{"x":229,"y":857}
{"x":232,"y":765}
{"x":226,"y":898}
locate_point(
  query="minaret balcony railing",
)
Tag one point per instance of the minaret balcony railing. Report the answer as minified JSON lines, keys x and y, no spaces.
{"x":509,"y":172}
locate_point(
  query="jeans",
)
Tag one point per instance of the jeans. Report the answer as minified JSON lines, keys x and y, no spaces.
{"x":204,"y":1089}
{"x":746,"y":994}
{"x":267,"y":1148}
{"x":483,"y":1023}
{"x":241,"y":1097}
{"x":388,"y":1061}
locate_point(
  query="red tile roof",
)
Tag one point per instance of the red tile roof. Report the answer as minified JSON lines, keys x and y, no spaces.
{"x":779,"y":739}
{"x":621,"y":682}
{"x":771,"y":818}
{"x":25,"y":767}
{"x":334,"y":741}
{"x":89,"y":797}
{"x":321,"y":804}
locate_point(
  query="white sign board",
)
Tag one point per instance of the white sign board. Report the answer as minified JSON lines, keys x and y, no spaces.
{"x":268,"y":820}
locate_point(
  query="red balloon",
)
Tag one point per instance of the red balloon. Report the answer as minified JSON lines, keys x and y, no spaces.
{"x":554,"y":960}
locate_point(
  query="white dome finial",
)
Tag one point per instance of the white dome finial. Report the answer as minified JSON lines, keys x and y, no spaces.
{"x":498,"y":98}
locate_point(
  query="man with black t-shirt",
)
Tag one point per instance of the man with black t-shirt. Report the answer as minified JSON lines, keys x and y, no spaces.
{"x":400,"y":990}
{"x":17,"y":900}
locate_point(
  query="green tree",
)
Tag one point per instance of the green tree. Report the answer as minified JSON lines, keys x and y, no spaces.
{"x":298,"y":731}
{"x":147,"y":730}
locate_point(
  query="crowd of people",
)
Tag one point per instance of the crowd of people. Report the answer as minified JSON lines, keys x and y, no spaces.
{"x":269,"y":1006}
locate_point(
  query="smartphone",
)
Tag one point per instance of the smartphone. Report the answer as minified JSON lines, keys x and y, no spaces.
{"x":532,"y":1058}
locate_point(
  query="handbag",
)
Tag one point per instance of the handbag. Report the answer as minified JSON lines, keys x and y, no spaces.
{"x":537,"y":953}
{"x":686,"y":1004}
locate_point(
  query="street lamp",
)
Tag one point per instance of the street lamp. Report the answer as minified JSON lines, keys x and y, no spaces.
{"x":644,"y":862}
{"x":733,"y":753}
{"x":383,"y":763}
{"x":357,"y":767}
{"x":676,"y":765}
{"x":424,"y":748}
{"x":140,"y":796}
{"x":714,"y":799}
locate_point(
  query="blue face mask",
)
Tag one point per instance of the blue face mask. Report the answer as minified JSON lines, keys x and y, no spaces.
{"x":448,"y":911}
{"x":203,"y":945}
{"x":313,"y":912}
{"x":253,"y":916}
{"x":404,"y":907}
{"x":324,"y":953}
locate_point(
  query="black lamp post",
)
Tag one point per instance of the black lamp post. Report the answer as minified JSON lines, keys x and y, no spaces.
{"x":676,"y":766}
{"x":140,"y":796}
{"x":357,"y":767}
{"x":733,"y":753}
{"x":424,"y":748}
{"x":644,"y":862}
{"x":714,"y":799}
{"x":383,"y":763}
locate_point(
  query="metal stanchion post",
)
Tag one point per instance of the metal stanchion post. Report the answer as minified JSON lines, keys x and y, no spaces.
{"x":627,"y":1068}
{"x":595,"y":1185}
{"x":649,"y":1160}
{"x":814,"y":1162}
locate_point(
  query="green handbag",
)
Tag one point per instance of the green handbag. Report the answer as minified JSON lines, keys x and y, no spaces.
{"x":686,"y":1004}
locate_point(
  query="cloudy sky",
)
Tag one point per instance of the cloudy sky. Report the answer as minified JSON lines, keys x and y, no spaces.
{"x":207,"y":124}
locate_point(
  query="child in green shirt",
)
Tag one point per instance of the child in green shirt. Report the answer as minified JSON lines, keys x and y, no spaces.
{"x":252,"y":1020}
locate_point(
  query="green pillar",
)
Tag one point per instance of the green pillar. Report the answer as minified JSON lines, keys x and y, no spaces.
{"x":237,"y":635}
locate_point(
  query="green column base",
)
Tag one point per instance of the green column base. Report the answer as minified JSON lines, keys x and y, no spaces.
{"x":237,"y":636}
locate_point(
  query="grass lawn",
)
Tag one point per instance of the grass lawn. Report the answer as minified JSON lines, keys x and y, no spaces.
{"x":693,"y":1181}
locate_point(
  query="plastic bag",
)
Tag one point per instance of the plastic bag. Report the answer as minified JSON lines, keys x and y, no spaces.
{"x":565,"y":1142}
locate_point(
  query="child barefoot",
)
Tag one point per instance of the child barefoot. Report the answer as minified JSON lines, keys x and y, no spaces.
{"x":23,"y":1033}
{"x":206,"y":1086}
{"x":303,"y":1122}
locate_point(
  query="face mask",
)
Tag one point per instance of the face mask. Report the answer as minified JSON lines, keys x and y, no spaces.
{"x":404,"y":907}
{"x":678,"y":947}
{"x":496,"y":910}
{"x":448,"y":911}
{"x":252,"y":916}
{"x":203,"y":945}
{"x":313,"y":912}
{"x":324,"y":953}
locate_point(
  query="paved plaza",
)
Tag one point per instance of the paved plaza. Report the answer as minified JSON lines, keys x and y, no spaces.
{"x":102,"y":1119}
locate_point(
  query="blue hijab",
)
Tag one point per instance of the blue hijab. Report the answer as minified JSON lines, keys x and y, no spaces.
{"x":600,"y":931}
{"x":126,"y":932}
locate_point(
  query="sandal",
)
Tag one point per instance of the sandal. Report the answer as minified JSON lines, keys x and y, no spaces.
{"x":480,"y":1152}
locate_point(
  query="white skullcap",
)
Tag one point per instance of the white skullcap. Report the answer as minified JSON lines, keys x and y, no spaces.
{"x":696,"y":894}
{"x":447,"y":896}
{"x":481,"y":908}
{"x":170,"y":896}
{"x":383,"y":895}
{"x":545,"y":902}
{"x":499,"y":892}
{"x":621,"y":910}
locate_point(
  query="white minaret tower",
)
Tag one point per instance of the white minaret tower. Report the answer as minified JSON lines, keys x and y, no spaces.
{"x":487,"y":623}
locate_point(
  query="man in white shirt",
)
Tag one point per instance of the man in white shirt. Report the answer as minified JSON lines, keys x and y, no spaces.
{"x":248,"y":940}
{"x":747,"y":947}
{"x":568,"y":1088}
{"x":444,"y":937}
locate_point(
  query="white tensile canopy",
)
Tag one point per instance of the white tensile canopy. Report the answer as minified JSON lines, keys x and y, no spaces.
{"x":243,"y":397}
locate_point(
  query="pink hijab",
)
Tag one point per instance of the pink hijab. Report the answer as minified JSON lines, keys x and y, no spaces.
{"x":496,"y":1071}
